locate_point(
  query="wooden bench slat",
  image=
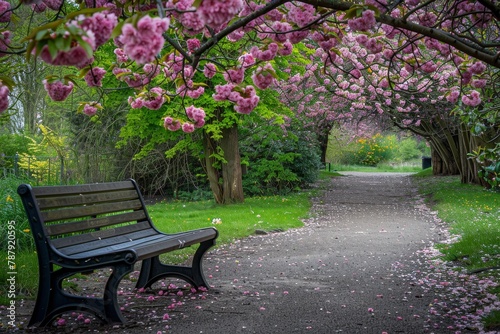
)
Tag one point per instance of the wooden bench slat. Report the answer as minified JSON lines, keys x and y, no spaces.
{"x":90,"y":210}
{"x":78,"y":226}
{"x":103,"y":234}
{"x":116,"y":244}
{"x":85,"y":199}
{"x":188,"y":239}
{"x":152,"y":245}
{"x":81,"y":189}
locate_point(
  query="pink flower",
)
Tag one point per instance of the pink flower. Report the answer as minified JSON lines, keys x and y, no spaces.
{"x":267,"y":54}
{"x":286,"y":49}
{"x":101,"y":25}
{"x":300,"y":14}
{"x":263,"y":77}
{"x":93,"y":78}
{"x":193,"y":44}
{"x":154,"y":99}
{"x":171,"y":124}
{"x":216,"y":12}
{"x":197,"y":115}
{"x":166,"y":316}
{"x":121,"y":56}
{"x":246,"y":101}
{"x":4,"y":42}
{"x":4,"y":98}
{"x":478,"y":83}
{"x":363,"y":23}
{"x":90,"y":109}
{"x":222,"y":92}
{"x":61,"y":322}
{"x":477,"y":68}
{"x":57,"y":90}
{"x":427,"y":19}
{"x":235,"y":75}
{"x":76,"y":56}
{"x":473,"y":99}
{"x":187,"y":128}
{"x":143,"y":42}
{"x":5,"y":12}
{"x":53,"y":4}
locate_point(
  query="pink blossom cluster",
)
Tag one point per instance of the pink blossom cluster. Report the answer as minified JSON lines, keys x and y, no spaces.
{"x":4,"y":42}
{"x":427,"y":19}
{"x":174,"y":67}
{"x":143,"y":42}
{"x":363,"y":23}
{"x":263,"y":77}
{"x":188,"y":89}
{"x":246,"y":60}
{"x":121,"y":56}
{"x":101,"y":25}
{"x":93,"y":78}
{"x":57,"y":90}
{"x":265,"y":55}
{"x":197,"y":115}
{"x":152,"y":99}
{"x":171,"y":124}
{"x":301,"y":14}
{"x":472,"y":99}
{"x":193,"y":44}
{"x":372,"y":44}
{"x":41,"y":6}
{"x":75,"y":56}
{"x":5,"y":12}
{"x":217,"y":12}
{"x":235,"y":76}
{"x":4,"y":97}
{"x":90,"y":109}
{"x":209,"y":70}
{"x":245,"y":99}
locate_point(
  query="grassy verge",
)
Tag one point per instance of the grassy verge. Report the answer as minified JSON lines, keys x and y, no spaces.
{"x":473,"y":215}
{"x":382,"y":167}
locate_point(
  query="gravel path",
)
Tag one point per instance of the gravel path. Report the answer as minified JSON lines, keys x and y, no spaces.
{"x":351,"y":269}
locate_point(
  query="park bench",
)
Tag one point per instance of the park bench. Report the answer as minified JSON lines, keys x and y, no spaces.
{"x":80,"y":228}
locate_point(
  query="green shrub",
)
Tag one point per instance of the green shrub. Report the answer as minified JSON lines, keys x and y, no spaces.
{"x":371,"y":151}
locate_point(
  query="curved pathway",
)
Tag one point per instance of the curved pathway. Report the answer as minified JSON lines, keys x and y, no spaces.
{"x":347,"y":271}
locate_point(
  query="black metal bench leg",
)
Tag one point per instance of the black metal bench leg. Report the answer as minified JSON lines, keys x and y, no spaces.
{"x":153,"y":270}
{"x":54,"y":300}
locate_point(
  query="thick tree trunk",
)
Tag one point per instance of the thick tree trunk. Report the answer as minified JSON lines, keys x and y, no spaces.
{"x":225,"y":177}
{"x":231,"y":169}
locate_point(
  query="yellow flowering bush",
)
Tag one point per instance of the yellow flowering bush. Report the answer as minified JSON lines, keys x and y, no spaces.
{"x":371,"y":151}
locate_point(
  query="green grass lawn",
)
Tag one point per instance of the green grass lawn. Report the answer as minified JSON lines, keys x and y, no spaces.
{"x":473,"y":213}
{"x":473,"y":216}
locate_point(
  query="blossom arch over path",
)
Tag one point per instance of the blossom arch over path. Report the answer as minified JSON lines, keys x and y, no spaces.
{"x":169,"y":49}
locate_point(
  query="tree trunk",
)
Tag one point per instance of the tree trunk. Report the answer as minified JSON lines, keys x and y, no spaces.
{"x":231,"y":169}
{"x":224,"y":175}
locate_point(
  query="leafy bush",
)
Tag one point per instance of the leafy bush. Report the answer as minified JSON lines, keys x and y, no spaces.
{"x":371,"y":151}
{"x":279,"y":164}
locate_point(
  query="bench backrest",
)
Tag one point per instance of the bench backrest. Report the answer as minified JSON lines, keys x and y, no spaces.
{"x":66,"y":215}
